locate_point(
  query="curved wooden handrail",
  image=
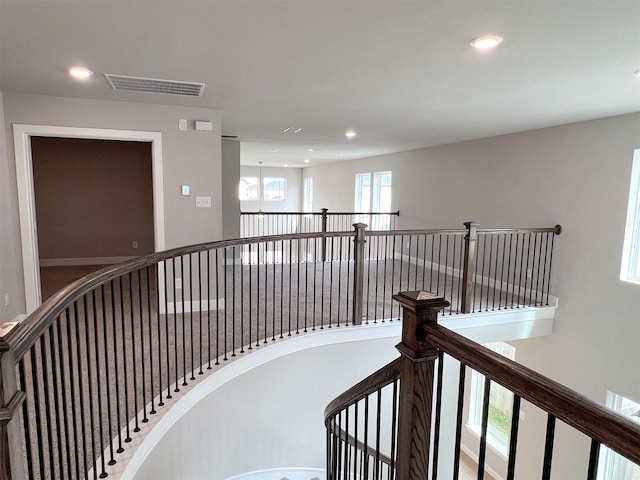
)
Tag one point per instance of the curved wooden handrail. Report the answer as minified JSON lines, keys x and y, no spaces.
{"x":585,"y":415}
{"x":380,"y":378}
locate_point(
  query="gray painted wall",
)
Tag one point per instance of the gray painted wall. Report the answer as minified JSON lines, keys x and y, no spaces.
{"x":576,"y":175}
{"x":93,"y":198}
{"x":189,"y":157}
{"x":230,"y":179}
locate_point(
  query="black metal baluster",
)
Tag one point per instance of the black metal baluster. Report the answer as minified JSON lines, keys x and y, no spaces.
{"x":495,"y":273}
{"x":315,"y":282}
{"x":233,"y":302}
{"x":66,"y":441}
{"x":191,"y":308}
{"x":176,"y":389}
{"x":502,"y":266}
{"x":273,"y":292}
{"x":513,"y":438}
{"x":166,"y":331}
{"x":90,"y":379}
{"x":242,"y":264}
{"x":539,"y":257}
{"x":378,"y":416}
{"x":133,"y":355}
{"x":103,"y":473}
{"x":298,"y":296}
{"x":209,"y":310}
{"x":384,"y":273}
{"x":322,"y":285}
{"x":438,"y":417}
{"x":155,"y":283}
{"x":266,"y":288}
{"x":394,"y":429}
{"x":55,"y":351}
{"x":484,"y":255}
{"x":548,"y":447}
{"x":594,"y":453}
{"x":81,"y":392}
{"x":456,"y":450}
{"x":218,"y":308}
{"x":522,"y":270}
{"x":331,"y":296}
{"x":485,"y":423}
{"x":544,"y":272}
{"x":108,"y":375}
{"x":377,"y":276}
{"x":142,"y":360}
{"x":290,"y":286}
{"x":366,"y":435}
{"x":47,"y":404}
{"x":25,"y":425}
{"x":393,"y":271}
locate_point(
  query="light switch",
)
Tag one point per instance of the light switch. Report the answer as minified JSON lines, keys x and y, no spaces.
{"x":203,"y":202}
{"x":182,"y":124}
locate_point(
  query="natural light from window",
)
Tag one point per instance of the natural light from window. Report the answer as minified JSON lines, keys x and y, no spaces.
{"x":248,"y":188}
{"x":630,"y":269}
{"x":612,"y":466}
{"x":275,"y":189}
{"x":500,"y":404}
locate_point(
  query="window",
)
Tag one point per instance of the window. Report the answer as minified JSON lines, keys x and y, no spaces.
{"x":500,"y":404}
{"x":308,"y":194}
{"x":274,"y":189}
{"x":363,"y":192}
{"x":612,"y":466}
{"x":630,"y":270}
{"x":248,"y":188}
{"x":377,"y":199}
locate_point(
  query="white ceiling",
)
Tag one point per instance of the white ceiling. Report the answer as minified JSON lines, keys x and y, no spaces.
{"x":401,"y":73}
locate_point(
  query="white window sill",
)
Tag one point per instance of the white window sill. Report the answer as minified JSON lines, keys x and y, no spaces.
{"x":493,"y":443}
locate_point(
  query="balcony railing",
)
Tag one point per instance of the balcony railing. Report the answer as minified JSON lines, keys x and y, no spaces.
{"x":103,"y":356}
{"x":389,"y":425}
{"x":256,"y":224}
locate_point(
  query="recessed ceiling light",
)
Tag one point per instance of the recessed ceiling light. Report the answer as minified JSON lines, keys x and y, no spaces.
{"x":285,"y":165}
{"x":81,"y":73}
{"x":306,"y":160}
{"x":314,"y":149}
{"x":350,"y":133}
{"x":637,"y":73}
{"x":273,"y":150}
{"x":486,"y":41}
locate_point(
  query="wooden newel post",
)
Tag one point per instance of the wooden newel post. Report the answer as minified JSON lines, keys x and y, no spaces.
{"x":324,"y":230}
{"x":11,"y":459}
{"x":416,"y":383}
{"x":469,"y":267}
{"x":358,"y":272}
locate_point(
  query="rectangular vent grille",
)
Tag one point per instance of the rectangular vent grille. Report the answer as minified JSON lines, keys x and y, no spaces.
{"x":154,"y":85}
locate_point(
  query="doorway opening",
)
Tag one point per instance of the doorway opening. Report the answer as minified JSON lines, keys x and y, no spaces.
{"x":24,"y":136}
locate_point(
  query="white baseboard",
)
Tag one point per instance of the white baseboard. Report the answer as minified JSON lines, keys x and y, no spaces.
{"x":195,"y":306}
{"x":63,"y":262}
{"x":474,"y":457}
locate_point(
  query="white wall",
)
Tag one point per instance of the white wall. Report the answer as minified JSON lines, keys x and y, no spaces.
{"x":293,"y":176}
{"x":576,"y":175}
{"x":189,"y":157}
{"x":10,"y":251}
{"x":272,"y":416}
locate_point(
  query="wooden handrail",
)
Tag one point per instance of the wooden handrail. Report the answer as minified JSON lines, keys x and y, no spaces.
{"x":598,"y":422}
{"x":381,"y":378}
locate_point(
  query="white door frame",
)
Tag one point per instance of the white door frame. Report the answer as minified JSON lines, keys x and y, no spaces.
{"x":24,"y":174}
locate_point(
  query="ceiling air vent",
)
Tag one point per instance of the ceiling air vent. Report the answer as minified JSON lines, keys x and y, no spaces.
{"x":155,"y":85}
{"x":229,"y":136}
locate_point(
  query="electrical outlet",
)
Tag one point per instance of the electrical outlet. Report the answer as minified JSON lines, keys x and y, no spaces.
{"x":178,"y":283}
{"x":203,"y":202}
{"x":134,"y":244}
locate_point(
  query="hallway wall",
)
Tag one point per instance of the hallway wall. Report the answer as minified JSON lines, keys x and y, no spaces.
{"x":189,"y":157}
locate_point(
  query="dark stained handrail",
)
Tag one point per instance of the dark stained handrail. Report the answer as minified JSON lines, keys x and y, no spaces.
{"x":585,"y":415}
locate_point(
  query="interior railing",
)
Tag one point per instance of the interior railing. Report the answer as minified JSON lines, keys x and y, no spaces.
{"x":97,"y":361}
{"x":255,"y":224}
{"x":409,"y":437}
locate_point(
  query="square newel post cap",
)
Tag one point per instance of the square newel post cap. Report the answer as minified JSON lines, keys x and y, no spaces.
{"x":420,"y":301}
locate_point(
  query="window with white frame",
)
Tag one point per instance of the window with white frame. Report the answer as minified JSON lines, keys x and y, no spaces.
{"x":248,"y":188}
{"x":363,"y":192}
{"x":307,"y":188}
{"x":630,"y":269}
{"x":274,"y":189}
{"x":612,"y":466}
{"x":500,"y":404}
